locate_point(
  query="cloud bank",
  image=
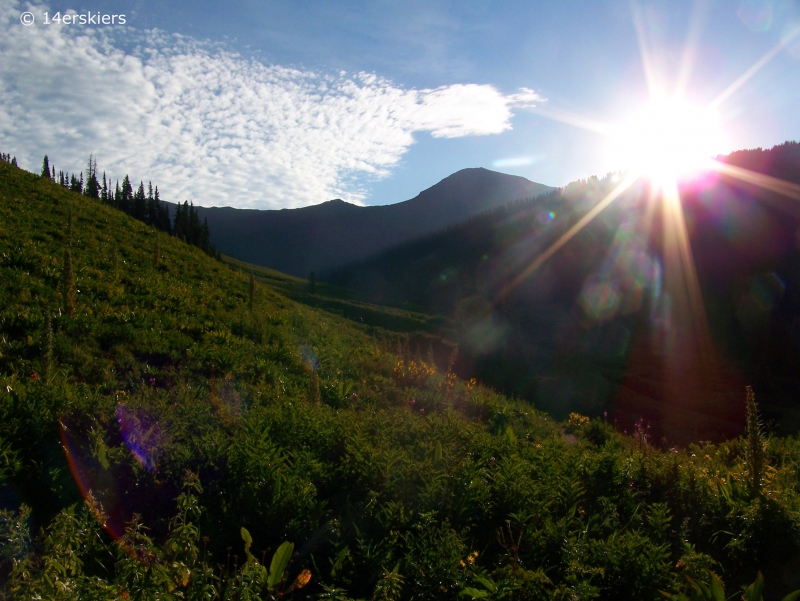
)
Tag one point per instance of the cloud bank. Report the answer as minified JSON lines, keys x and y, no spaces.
{"x":208,"y":125}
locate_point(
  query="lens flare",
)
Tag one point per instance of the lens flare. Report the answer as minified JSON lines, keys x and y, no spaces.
{"x":142,"y":436}
{"x":668,"y":139}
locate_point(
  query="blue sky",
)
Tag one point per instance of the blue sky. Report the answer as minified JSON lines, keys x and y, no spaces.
{"x":283,"y":104}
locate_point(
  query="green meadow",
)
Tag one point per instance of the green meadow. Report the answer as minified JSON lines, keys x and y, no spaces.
{"x":173,"y":427}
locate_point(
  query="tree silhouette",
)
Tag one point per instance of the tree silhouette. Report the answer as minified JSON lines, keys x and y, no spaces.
{"x":46,"y":167}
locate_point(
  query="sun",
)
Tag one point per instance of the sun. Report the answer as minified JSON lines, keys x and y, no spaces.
{"x":667,"y":140}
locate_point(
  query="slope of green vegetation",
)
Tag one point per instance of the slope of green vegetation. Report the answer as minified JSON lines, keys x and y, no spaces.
{"x":342,"y":302}
{"x":168,"y":431}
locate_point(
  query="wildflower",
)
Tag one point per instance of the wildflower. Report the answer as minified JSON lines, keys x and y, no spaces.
{"x":422,"y":411}
{"x":34,"y":376}
{"x":355,"y":396}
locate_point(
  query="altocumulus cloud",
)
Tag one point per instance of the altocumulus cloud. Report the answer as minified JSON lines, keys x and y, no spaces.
{"x":209,"y":125}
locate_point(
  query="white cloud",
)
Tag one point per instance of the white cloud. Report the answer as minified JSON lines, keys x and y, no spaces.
{"x":209,"y":125}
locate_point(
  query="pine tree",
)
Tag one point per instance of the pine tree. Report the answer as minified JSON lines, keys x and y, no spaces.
{"x":54,"y":173}
{"x":92,"y":188}
{"x":68,"y":284}
{"x":14,"y":161}
{"x":181,"y":224}
{"x":139,"y":209}
{"x":104,"y":190}
{"x":46,"y":167}
{"x":125,"y":202}
{"x":152,"y":208}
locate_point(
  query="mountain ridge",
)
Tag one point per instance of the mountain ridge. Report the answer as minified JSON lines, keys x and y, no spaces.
{"x":324,"y":236}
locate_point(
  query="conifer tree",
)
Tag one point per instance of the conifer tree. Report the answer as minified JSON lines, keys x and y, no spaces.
{"x":46,"y":167}
{"x":104,"y":189}
{"x":163,"y":214}
{"x":92,"y":187}
{"x":68,"y":284}
{"x":14,"y":161}
{"x":152,"y":210}
{"x":139,"y":208}
{"x":125,"y":202}
{"x":54,"y":173}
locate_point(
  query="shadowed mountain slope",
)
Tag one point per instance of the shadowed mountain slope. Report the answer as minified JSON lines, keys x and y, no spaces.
{"x":596,"y":327}
{"x":325,"y":236}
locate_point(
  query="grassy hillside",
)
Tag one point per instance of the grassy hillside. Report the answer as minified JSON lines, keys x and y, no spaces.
{"x":173,"y":436}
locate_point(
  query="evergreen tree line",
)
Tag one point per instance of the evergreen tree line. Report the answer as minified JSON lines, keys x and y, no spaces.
{"x":144,"y":206}
{"x":8,"y":158}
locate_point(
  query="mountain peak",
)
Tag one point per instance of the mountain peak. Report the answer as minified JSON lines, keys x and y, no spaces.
{"x":324,"y":236}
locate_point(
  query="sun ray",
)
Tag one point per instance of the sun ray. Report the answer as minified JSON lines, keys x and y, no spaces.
{"x":647,"y":60}
{"x":574,"y":120}
{"x":682,"y":282}
{"x":757,"y":66}
{"x":773,"y":184}
{"x":696,"y":23}
{"x":568,"y":235}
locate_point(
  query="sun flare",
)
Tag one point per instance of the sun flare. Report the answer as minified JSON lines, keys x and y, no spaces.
{"x":668,"y":140}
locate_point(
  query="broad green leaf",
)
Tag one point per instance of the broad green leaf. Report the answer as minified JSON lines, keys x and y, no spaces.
{"x":717,"y":589}
{"x":792,"y":596}
{"x":755,"y":591}
{"x":474,"y":593}
{"x":279,"y":562}
{"x":487,"y":583}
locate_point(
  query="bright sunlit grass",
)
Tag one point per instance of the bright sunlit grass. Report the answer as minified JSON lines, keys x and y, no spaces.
{"x":669,"y":139}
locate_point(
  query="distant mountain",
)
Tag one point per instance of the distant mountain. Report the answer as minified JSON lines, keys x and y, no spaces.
{"x":325,"y":236}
